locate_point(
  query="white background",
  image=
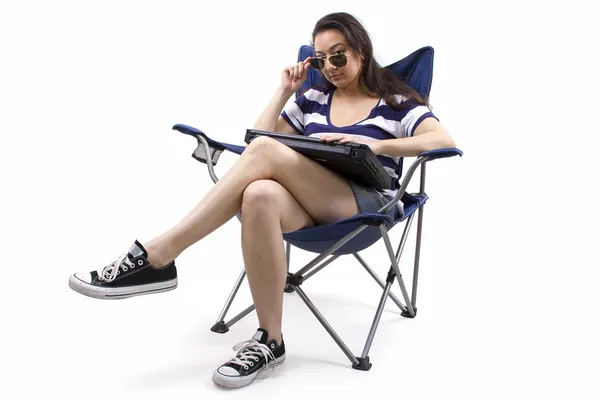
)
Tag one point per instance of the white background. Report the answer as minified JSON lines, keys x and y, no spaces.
{"x":508,"y":295}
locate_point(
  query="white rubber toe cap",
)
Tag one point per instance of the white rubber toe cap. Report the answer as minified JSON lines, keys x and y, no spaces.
{"x":228,"y":371}
{"x":84,"y":277}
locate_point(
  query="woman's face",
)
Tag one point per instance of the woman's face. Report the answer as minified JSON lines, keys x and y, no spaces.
{"x":330,"y":42}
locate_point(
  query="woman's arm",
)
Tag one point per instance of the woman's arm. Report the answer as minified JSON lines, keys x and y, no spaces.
{"x":292,"y":78}
{"x":429,"y":135}
{"x":270,"y":119}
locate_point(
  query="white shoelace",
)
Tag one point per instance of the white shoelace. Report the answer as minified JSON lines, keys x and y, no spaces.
{"x":110,"y":272}
{"x":249,"y":352}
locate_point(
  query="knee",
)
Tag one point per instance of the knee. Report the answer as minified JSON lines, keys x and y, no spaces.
{"x":262,"y":145}
{"x":260,"y":195}
{"x":265,"y":149}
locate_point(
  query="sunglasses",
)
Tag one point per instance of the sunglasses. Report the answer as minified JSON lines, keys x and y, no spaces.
{"x":337,"y":60}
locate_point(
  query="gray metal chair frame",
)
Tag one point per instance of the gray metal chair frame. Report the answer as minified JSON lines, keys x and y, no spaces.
{"x":295,"y":280}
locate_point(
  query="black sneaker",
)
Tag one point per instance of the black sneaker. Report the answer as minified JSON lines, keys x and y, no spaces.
{"x":255,"y":357}
{"x":127,"y":276}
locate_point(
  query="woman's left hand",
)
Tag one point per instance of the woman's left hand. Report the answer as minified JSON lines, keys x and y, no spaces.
{"x":337,"y":137}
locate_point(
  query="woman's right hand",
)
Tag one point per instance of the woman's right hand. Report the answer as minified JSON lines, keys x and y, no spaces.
{"x":294,"y":76}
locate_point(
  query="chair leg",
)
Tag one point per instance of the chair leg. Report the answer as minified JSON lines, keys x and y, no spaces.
{"x":220,"y":326}
{"x":295,"y":280}
{"x":389,"y":281}
{"x":379,"y":281}
{"x":417,"y":256}
{"x":363,"y":362}
{"x":359,"y":363}
{"x":399,"y":251}
{"x":241,"y":315}
{"x":288,"y":248}
{"x":419,"y":231}
{"x":375,"y":324}
{"x":388,"y":246}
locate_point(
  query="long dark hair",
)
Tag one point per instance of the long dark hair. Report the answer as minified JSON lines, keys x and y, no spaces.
{"x":373,"y":78}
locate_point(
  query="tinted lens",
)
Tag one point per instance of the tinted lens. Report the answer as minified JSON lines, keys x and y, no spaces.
{"x":317,"y":63}
{"x":338,"y":60}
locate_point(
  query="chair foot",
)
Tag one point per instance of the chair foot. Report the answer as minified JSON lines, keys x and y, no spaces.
{"x":363,"y":364}
{"x":220,"y":327}
{"x":407,"y":314}
{"x":289,"y":289}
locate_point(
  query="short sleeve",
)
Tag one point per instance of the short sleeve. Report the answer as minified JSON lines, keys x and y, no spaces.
{"x":410,"y":117}
{"x":293,"y":114}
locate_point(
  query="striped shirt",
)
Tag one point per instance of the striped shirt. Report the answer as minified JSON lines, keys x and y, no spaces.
{"x":309,"y":115}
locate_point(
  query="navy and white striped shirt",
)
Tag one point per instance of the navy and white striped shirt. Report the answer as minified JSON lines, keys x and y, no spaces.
{"x":309,"y":116}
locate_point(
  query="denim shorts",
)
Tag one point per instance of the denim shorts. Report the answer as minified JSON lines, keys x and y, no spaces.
{"x":370,"y":200}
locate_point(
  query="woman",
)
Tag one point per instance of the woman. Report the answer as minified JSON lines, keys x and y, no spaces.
{"x":279,"y":190}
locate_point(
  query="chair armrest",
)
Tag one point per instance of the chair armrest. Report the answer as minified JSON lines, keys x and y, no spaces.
{"x":214,"y":145}
{"x":207,"y":148}
{"x":441,"y":153}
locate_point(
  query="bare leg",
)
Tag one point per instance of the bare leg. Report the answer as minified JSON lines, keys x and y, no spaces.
{"x":268,"y":210}
{"x":323,"y":194}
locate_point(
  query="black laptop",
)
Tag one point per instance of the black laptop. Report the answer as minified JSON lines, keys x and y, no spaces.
{"x":353,"y":160}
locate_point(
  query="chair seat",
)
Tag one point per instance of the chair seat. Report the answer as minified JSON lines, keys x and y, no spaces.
{"x":319,"y":238}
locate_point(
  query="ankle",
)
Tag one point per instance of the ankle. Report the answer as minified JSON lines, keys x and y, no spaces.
{"x":276,"y":336}
{"x":157,"y":256}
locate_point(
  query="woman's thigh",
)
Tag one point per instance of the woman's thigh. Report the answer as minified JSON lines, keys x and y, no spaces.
{"x":267,"y":196}
{"x":325,"y":195}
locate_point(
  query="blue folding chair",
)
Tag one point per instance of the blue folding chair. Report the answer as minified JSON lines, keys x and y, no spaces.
{"x":354,"y":234}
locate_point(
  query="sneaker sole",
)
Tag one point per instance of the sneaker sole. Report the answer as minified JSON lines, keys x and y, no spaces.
{"x":238,"y":382}
{"x":120,"y":293}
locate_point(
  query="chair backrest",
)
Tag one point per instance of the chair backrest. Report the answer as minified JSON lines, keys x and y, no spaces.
{"x":416,"y":70}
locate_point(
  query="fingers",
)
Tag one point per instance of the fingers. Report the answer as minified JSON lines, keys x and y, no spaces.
{"x":336,"y":137}
{"x":297,"y":72}
{"x":301,"y":70}
{"x":332,"y":138}
{"x":293,"y":72}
